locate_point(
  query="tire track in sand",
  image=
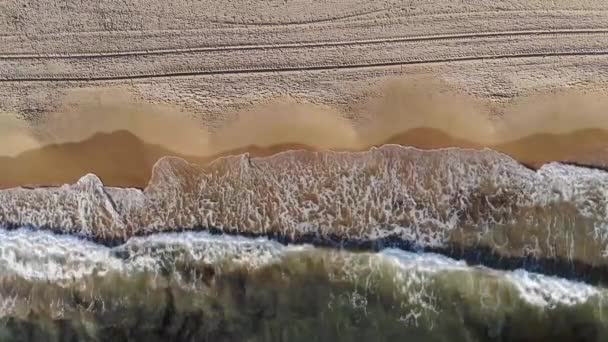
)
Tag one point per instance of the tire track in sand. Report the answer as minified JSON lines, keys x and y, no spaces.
{"x":401,"y":39}
{"x":320,"y":67}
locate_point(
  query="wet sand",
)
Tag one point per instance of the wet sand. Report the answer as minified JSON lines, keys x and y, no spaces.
{"x":121,"y":159}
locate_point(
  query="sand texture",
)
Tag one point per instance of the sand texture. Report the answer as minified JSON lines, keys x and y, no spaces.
{"x":210,"y":57}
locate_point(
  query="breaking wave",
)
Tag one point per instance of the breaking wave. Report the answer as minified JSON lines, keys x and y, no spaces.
{"x":197,"y":286}
{"x":459,"y":244}
{"x":481,"y":206}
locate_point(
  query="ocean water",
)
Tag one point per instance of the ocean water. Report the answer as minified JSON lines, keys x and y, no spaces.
{"x":203,"y":287}
{"x":393,"y":244}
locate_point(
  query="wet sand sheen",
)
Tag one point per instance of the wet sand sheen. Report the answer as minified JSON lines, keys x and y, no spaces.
{"x":121,"y":159}
{"x":119,"y":138}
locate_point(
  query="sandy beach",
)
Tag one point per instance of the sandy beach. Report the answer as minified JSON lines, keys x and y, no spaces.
{"x":212,"y":59}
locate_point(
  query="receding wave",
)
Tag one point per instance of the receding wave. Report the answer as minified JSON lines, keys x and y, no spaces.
{"x":131,"y":165}
{"x":479,"y":205}
{"x":196,"y":286}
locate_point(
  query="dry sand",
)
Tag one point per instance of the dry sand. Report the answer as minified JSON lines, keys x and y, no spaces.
{"x":200,"y":79}
{"x":212,"y":57}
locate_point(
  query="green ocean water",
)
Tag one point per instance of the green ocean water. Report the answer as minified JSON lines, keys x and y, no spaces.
{"x":200,"y":287}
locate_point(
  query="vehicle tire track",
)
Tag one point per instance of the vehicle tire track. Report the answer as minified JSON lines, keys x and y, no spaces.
{"x":378,"y":21}
{"x":303,"y":22}
{"x":367,"y":65}
{"x":431,"y":38}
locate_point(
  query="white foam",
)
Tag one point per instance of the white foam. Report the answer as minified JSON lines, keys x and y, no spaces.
{"x":418,"y":196}
{"x":429,"y":262}
{"x":536,"y":289}
{"x":548,"y":291}
{"x":212,"y":249}
{"x":40,"y":255}
{"x":43,"y":256}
